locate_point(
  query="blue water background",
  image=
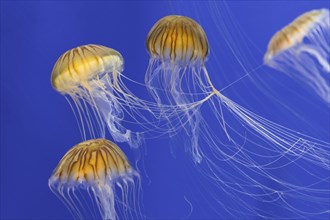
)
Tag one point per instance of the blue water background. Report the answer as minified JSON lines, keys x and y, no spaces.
{"x":37,"y":124}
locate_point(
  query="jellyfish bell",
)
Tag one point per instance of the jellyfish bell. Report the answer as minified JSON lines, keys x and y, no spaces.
{"x":91,"y":76}
{"x":103,"y":172}
{"x":79,"y":65}
{"x":178,"y":40}
{"x":295,"y":32}
{"x":301,"y":50}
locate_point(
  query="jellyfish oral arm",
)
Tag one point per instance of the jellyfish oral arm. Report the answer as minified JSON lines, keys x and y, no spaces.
{"x":323,"y":62}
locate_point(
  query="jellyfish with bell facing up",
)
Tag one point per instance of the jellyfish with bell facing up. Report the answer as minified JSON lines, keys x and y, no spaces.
{"x":301,"y":50}
{"x":95,"y":179}
{"x":178,"y":48}
{"x":91,"y":76}
{"x":252,"y":148}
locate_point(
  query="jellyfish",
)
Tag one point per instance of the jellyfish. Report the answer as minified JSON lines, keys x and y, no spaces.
{"x":91,"y":76}
{"x":178,"y":48}
{"x":242,"y":153}
{"x":95,"y":175}
{"x":301,"y":50}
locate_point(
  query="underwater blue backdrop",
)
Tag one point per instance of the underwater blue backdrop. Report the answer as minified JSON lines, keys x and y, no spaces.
{"x":37,"y":124}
